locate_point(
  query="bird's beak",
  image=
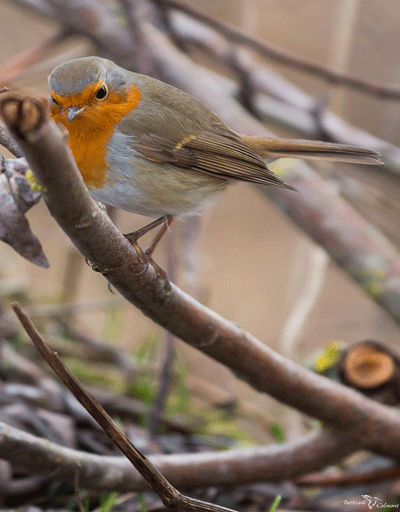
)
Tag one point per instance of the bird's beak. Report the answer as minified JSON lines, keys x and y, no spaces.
{"x":73,"y":112}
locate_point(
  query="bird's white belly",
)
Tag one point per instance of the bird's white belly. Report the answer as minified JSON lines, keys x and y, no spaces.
{"x":138,"y":185}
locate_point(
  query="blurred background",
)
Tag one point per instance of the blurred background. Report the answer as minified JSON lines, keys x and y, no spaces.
{"x":252,"y":265}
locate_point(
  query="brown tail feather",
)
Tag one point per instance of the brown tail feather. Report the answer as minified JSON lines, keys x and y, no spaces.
{"x":289,"y":148}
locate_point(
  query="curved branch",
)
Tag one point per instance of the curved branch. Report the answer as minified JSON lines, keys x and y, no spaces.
{"x":104,"y":473}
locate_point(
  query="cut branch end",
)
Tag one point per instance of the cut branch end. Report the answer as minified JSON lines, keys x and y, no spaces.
{"x":367,"y":367}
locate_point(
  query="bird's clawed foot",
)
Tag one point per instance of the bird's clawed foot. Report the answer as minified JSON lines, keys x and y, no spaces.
{"x":146,"y":256}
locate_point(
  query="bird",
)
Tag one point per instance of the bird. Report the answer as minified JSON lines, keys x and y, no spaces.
{"x":146,"y":147}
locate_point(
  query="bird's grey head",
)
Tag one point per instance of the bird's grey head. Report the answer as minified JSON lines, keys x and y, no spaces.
{"x":82,"y":85}
{"x":72,"y":77}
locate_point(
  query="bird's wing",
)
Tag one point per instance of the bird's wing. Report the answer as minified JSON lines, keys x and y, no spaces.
{"x":216,"y":151}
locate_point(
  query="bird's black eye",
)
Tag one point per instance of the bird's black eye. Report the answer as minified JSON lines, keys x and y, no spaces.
{"x":101,"y":93}
{"x":58,"y":105}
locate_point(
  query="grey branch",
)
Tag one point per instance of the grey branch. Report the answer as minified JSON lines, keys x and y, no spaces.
{"x":186,"y":471}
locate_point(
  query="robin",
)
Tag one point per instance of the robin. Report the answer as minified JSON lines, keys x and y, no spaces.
{"x":146,"y":147}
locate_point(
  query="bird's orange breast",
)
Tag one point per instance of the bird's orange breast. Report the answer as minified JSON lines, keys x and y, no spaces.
{"x":90,"y":131}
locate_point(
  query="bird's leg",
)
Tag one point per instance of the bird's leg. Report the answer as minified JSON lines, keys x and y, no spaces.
{"x":147,"y":254}
{"x":167,"y":222}
{"x":135,"y":235}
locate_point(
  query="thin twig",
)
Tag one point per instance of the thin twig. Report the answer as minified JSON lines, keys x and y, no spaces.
{"x":169,"y":495}
{"x":76,"y":487}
